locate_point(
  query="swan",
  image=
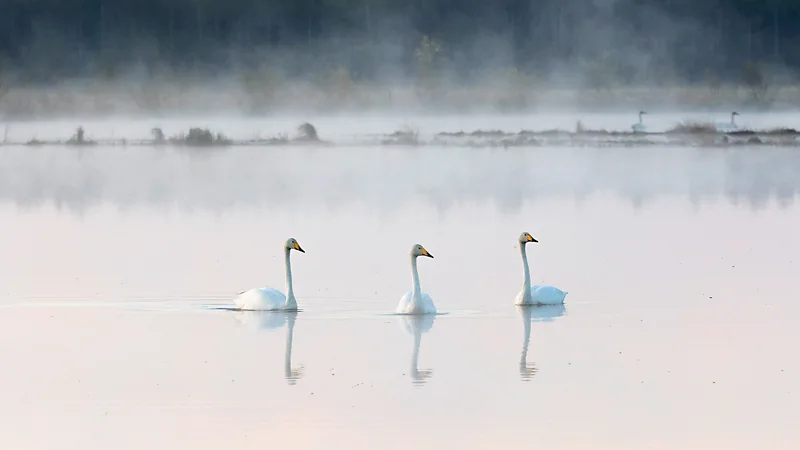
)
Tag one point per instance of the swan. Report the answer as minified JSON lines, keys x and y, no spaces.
{"x":639,"y":127}
{"x":417,"y":326}
{"x":728,"y":127}
{"x":269,"y":299}
{"x":416,"y":301}
{"x":535,"y":295}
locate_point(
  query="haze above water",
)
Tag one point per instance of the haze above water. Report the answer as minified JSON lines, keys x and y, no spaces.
{"x":679,"y":330}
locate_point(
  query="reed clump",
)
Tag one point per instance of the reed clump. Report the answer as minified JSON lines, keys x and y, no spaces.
{"x":200,"y":137}
{"x":693,"y":127}
{"x":307,"y":132}
{"x":79,"y":138}
{"x":406,"y":136}
{"x":158,"y":136}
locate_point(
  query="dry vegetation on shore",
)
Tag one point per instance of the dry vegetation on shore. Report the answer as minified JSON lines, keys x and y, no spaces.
{"x":683,"y":134}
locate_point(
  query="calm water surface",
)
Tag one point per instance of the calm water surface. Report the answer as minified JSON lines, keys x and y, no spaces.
{"x":680,"y":328}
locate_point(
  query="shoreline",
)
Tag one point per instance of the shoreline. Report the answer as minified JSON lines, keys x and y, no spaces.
{"x":199,"y":138}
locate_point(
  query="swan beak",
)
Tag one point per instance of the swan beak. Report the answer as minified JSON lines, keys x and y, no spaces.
{"x":297,"y":247}
{"x":426,"y":253}
{"x":531,"y":239}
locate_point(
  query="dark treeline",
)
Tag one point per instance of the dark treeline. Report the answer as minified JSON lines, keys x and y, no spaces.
{"x":637,"y":41}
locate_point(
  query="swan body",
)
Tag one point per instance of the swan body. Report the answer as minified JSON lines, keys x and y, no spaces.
{"x":262,"y":299}
{"x":416,"y":301}
{"x":270,"y":299}
{"x":422,"y":305}
{"x":535,"y":294}
{"x":727,"y":127}
{"x":639,"y":127}
{"x":543,"y":295}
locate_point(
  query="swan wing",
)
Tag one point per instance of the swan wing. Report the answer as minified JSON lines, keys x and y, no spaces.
{"x":726,"y":127}
{"x":426,"y":304}
{"x":260,"y":299}
{"x":547,"y":295}
{"x":404,"y":307}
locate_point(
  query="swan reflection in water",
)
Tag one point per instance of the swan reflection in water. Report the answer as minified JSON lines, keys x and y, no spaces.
{"x":533,"y":313}
{"x":273,"y":320}
{"x":416,"y":325}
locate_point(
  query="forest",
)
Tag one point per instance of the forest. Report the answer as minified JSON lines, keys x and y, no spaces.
{"x":636,"y":41}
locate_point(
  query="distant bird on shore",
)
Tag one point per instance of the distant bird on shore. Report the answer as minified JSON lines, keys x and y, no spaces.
{"x":639,"y":127}
{"x":727,"y":127}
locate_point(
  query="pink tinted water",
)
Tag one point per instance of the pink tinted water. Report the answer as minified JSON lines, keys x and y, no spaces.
{"x":679,"y":331}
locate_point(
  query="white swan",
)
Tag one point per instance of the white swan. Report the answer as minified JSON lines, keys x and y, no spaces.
{"x":269,"y":299}
{"x":639,"y":127}
{"x":416,"y":301}
{"x":728,"y":127}
{"x":535,"y":295}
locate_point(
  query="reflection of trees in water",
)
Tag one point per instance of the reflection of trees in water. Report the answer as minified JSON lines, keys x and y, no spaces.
{"x":386,"y":178}
{"x":758,"y":177}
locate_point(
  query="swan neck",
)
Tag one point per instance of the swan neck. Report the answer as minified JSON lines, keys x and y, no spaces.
{"x":289,"y":288}
{"x":526,"y":274}
{"x":415,"y":277}
{"x":640,"y":117}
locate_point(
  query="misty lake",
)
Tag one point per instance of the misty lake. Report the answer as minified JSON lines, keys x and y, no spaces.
{"x":679,"y":331}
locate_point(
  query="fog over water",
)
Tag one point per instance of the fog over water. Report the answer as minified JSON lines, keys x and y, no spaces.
{"x":118,"y":264}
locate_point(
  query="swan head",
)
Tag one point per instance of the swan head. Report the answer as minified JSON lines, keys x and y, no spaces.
{"x":291,"y":244}
{"x":641,"y":113}
{"x":526,"y":237}
{"x":735,"y":114}
{"x":419,"y":250}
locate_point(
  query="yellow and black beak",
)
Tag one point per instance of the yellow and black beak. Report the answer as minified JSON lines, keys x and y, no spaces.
{"x":530,"y":238}
{"x":426,"y":253}
{"x":297,"y":247}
